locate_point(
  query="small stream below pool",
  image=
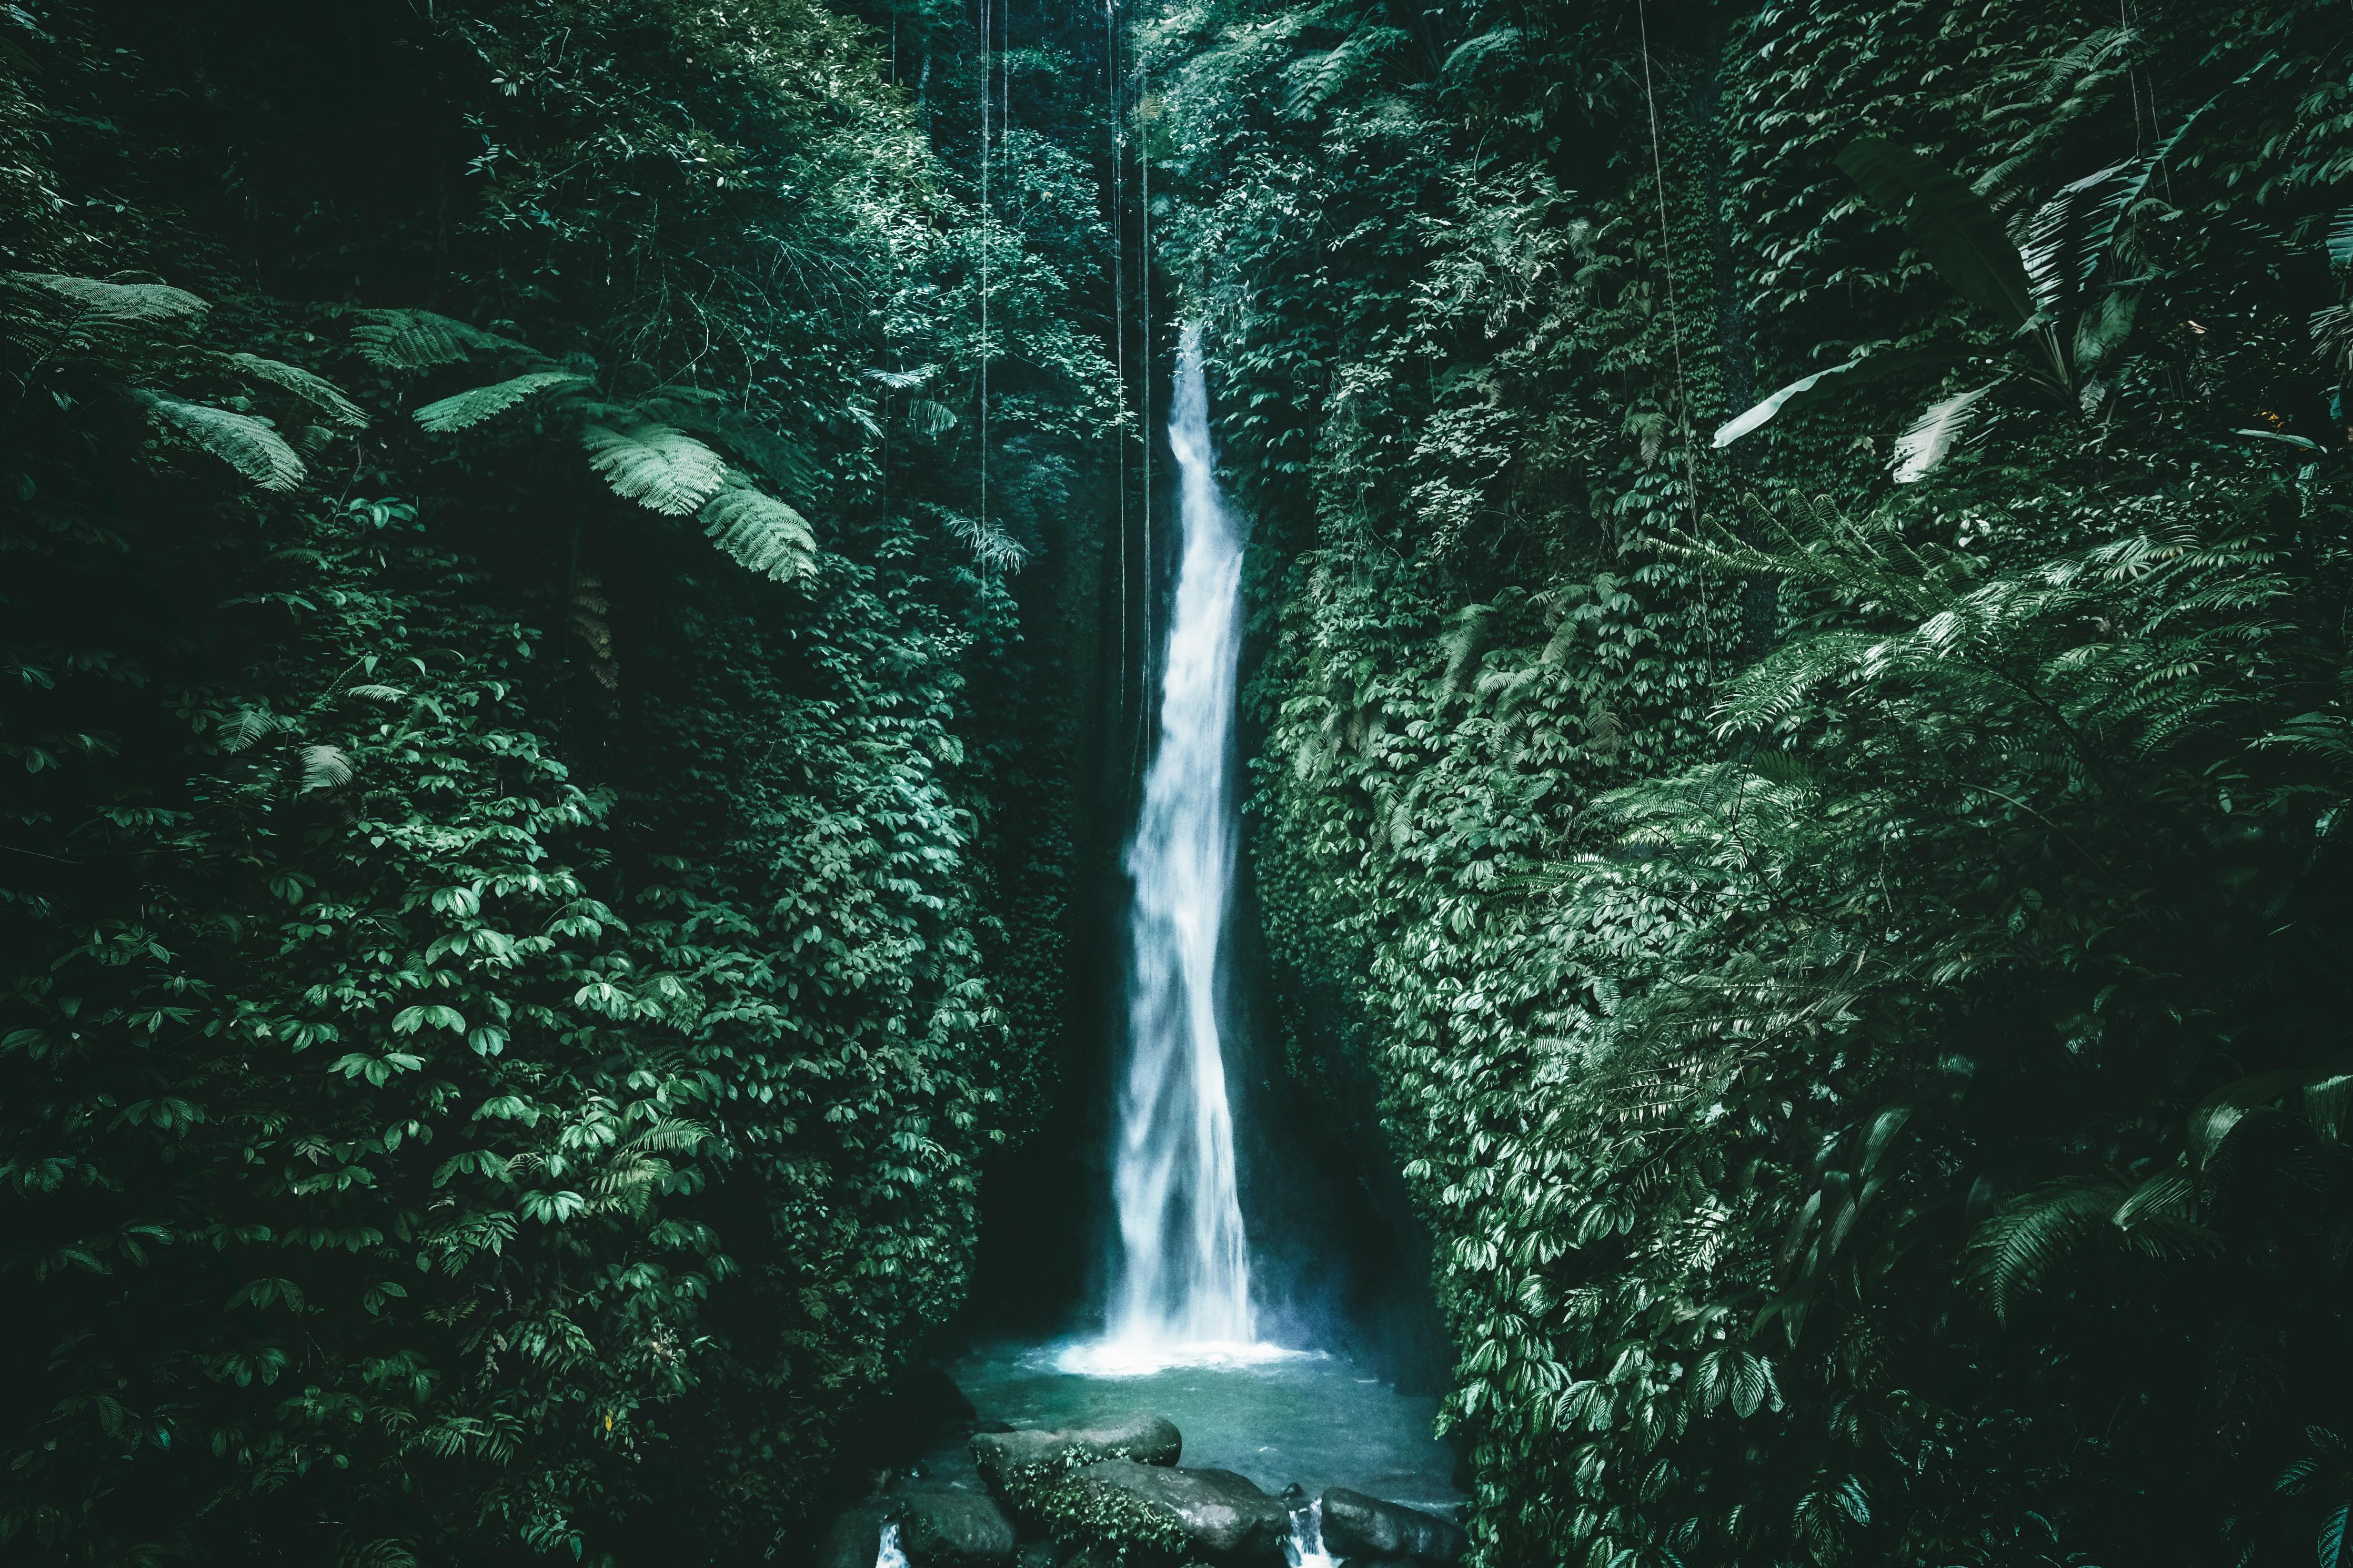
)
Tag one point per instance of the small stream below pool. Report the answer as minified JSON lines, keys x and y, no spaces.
{"x":1305,"y":1417}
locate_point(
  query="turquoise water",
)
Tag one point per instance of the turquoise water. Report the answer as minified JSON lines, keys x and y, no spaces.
{"x":1316,"y":1419}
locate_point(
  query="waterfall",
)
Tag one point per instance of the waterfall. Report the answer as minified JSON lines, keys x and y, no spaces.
{"x":1305,"y":1547}
{"x":1185,"y":1279}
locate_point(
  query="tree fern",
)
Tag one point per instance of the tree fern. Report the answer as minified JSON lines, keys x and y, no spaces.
{"x":761,"y":532}
{"x":245,"y":443}
{"x":95,"y":300}
{"x":465,"y":409}
{"x":660,"y":467}
{"x":315,"y":390}
{"x":420,"y":339}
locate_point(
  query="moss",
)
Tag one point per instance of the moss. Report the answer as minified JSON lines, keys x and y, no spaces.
{"x":1114,"y":1523}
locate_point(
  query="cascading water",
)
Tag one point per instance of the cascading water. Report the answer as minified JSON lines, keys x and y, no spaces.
{"x":1184,"y":1286}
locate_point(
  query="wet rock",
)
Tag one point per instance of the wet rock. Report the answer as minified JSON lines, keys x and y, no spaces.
{"x":1356,"y":1525}
{"x":1225,"y":1515}
{"x":1039,"y":1554}
{"x":953,"y":1530}
{"x":1148,"y":1439}
{"x":856,"y":1537}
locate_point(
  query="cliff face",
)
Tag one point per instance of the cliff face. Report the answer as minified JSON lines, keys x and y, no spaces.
{"x":1826,"y":919}
{"x":537,"y":863}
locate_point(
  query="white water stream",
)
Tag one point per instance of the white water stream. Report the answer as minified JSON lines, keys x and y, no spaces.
{"x":1183,"y":1293}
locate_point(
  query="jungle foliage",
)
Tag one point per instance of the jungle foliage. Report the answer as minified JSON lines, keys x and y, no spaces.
{"x":1846,"y":902}
{"x":536,"y":851}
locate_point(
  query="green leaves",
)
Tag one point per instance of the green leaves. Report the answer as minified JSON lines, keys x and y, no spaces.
{"x":1950,"y":223}
{"x":668,"y":471}
{"x":245,"y":443}
{"x":762,"y":533}
{"x":97,"y":302}
{"x":420,"y":339}
{"x":317,"y":391}
{"x":1854,"y":371}
{"x":1931,"y":437}
{"x":464,"y":410}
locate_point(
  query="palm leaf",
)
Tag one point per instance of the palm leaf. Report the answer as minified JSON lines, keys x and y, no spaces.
{"x":2057,"y":255}
{"x":1950,"y":223}
{"x":1930,"y":440}
{"x":465,"y":409}
{"x":761,"y":532}
{"x":1873,"y":367}
{"x":2098,"y":331}
{"x":245,"y":443}
{"x":317,"y":391}
{"x":2340,"y":239}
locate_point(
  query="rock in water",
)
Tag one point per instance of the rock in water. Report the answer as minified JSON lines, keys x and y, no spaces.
{"x":855,"y":1537}
{"x":1356,"y":1525}
{"x":1147,"y":1439}
{"x":1225,"y":1515}
{"x":953,"y":1529}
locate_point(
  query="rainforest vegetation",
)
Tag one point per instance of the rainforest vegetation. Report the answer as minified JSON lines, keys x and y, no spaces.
{"x":574,"y":585}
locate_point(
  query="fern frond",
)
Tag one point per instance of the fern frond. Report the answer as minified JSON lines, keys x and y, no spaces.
{"x":1318,"y":78}
{"x":465,"y":409}
{"x":2016,"y":1253}
{"x":93,"y":299}
{"x":251,"y":724}
{"x":761,"y":532}
{"x":420,"y":339}
{"x":245,"y":443}
{"x":315,"y":390}
{"x":324,"y":767}
{"x":930,"y":417}
{"x":590,"y":608}
{"x":996,"y":549}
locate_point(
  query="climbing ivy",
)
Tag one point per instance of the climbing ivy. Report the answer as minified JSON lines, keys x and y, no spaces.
{"x":1840,"y":910}
{"x":504,"y":887}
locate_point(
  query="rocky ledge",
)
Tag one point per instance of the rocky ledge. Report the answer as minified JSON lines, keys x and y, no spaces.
{"x":1113,"y":1493}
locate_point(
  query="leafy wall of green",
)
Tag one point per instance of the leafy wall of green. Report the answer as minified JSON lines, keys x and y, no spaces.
{"x":538,"y":834}
{"x":1855,"y":967}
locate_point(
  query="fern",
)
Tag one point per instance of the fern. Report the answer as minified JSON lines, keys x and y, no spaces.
{"x":660,"y":467}
{"x":465,"y":409}
{"x":317,"y":391}
{"x":991,"y":546}
{"x":95,"y":300}
{"x":420,"y":339}
{"x":2016,"y":1253}
{"x":245,"y":443}
{"x":761,"y":532}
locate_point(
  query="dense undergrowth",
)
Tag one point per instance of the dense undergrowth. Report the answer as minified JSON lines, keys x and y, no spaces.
{"x":536,"y":868}
{"x":1849,"y":915}
{"x":537,"y":850}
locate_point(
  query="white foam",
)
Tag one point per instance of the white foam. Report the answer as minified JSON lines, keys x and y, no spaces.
{"x":1185,"y":1275}
{"x":1142,"y":1358}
